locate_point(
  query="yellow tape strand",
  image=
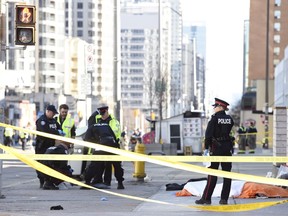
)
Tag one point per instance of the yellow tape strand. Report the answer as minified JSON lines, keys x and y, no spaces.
{"x":173,"y":164}
{"x":160,"y":161}
{"x":79,"y":157}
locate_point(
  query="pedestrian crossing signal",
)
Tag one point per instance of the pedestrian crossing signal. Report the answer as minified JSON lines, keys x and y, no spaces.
{"x":25,"y":24}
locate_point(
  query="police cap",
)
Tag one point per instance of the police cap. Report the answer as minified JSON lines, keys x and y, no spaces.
{"x":102,"y":106}
{"x":219,"y":102}
{"x":52,"y":108}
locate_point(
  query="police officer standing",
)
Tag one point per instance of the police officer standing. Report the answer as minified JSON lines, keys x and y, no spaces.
{"x":105,"y":131}
{"x":47,"y":124}
{"x":251,"y":137}
{"x":242,"y":139}
{"x":218,"y":141}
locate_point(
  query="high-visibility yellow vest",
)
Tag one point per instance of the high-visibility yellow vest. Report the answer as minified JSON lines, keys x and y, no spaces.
{"x":22,"y":134}
{"x":114,"y":125}
{"x":67,"y":125}
{"x":8,"y":132}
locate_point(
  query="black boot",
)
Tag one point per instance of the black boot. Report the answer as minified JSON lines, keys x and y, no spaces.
{"x":120,"y":186}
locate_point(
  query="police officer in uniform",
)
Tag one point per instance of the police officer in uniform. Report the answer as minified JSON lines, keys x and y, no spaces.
{"x":242,"y":139}
{"x":218,"y":141}
{"x":105,"y":131}
{"x":47,"y":124}
{"x":251,"y":137}
{"x":52,"y":183}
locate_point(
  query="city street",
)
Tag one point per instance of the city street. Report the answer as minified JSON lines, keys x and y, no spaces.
{"x":23,"y":196}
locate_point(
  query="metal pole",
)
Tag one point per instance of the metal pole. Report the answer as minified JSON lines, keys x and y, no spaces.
{"x":266,"y":144}
{"x":159,"y":70}
{"x":2,"y":118}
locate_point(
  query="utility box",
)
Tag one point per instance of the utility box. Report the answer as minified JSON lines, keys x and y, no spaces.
{"x":186,"y":130}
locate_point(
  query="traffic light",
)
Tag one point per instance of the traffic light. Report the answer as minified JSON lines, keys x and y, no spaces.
{"x":25,"y":25}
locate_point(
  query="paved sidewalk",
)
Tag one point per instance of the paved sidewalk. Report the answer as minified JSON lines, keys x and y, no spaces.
{"x":23,"y":196}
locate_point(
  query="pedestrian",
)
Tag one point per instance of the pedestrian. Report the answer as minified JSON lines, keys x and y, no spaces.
{"x":251,"y":137}
{"x":51,"y":183}
{"x":106,"y":131}
{"x":47,"y":124}
{"x":242,"y":139}
{"x":67,"y":122}
{"x":23,"y":137}
{"x":218,"y":141}
{"x":8,"y":134}
{"x":124,"y":139}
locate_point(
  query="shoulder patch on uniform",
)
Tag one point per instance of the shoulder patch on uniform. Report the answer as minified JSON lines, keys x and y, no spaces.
{"x":42,"y":122}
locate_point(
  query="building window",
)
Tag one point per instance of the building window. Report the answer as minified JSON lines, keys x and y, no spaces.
{"x":276,"y":51}
{"x":277,"y":26}
{"x":79,"y":24}
{"x":79,"y":5}
{"x":79,"y":33}
{"x":79,"y":14}
{"x":277,"y":3}
{"x":277,"y":14}
{"x":277,"y":38}
{"x":91,"y":5}
{"x":91,"y":33}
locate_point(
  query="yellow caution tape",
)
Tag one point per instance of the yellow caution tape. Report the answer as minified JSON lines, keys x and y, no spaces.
{"x":79,"y":157}
{"x":227,"y":208}
{"x":241,"y":207}
{"x":160,"y":161}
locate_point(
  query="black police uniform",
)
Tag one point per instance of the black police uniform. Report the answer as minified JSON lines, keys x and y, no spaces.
{"x":102,"y":133}
{"x":60,"y":166}
{"x":45,"y":125}
{"x":217,"y":139}
{"x":242,"y":139}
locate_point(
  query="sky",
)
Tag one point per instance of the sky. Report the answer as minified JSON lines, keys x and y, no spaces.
{"x":224,"y":44}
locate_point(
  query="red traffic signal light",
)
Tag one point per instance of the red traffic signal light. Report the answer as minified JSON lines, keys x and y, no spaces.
{"x":25,"y":25}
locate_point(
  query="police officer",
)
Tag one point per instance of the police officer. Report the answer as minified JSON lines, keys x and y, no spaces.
{"x":105,"y":131}
{"x":50,"y":182}
{"x":251,"y":137}
{"x":8,"y":134}
{"x":47,"y":124}
{"x":23,"y":137}
{"x":242,"y":139}
{"x":218,"y":141}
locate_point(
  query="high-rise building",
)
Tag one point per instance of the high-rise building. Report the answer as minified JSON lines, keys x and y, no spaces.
{"x":196,"y":34}
{"x":97,"y":23}
{"x":146,"y":60}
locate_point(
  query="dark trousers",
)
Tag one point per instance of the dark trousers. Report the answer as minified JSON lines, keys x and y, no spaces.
{"x":96,"y":169}
{"x":212,"y":180}
{"x":40,"y":148}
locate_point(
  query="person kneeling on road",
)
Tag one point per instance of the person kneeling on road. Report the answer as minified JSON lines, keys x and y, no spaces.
{"x":51,"y":183}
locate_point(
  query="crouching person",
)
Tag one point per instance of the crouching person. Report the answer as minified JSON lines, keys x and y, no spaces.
{"x":51,"y":183}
